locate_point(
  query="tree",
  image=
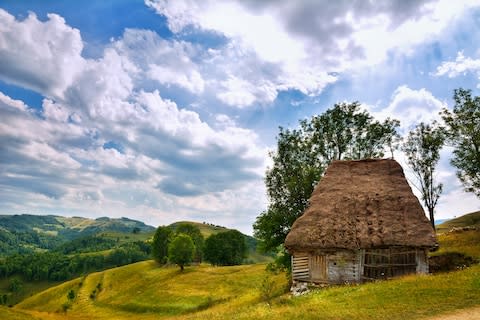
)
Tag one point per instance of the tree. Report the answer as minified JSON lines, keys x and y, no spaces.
{"x":343,"y":132}
{"x":225,"y":248}
{"x":422,"y":149}
{"x":463,"y":133}
{"x":161,"y":239}
{"x":197,"y":237}
{"x":181,"y":250}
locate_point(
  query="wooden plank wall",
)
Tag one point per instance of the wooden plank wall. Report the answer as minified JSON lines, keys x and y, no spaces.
{"x":300,"y":267}
{"x":344,"y":266}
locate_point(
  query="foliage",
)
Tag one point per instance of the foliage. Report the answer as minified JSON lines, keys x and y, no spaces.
{"x":463,"y":128}
{"x":161,"y":239}
{"x":343,"y":132}
{"x":16,"y":285}
{"x":196,"y":236}
{"x":91,"y":243}
{"x":55,"y":266}
{"x":422,"y":149}
{"x":181,"y":250}
{"x":225,"y":248}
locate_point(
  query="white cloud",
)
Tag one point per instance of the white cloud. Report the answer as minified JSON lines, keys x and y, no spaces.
{"x":42,"y":56}
{"x":461,"y":66}
{"x":280,"y":45}
{"x":411,"y":107}
{"x":168,"y":62}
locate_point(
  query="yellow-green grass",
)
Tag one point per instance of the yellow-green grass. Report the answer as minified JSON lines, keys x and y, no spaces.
{"x":14,"y":314}
{"x":466,"y":242}
{"x":146,"y":291}
{"x":470,"y":219}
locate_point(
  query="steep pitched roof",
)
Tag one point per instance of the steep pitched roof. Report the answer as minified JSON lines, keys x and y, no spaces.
{"x":362,"y":204}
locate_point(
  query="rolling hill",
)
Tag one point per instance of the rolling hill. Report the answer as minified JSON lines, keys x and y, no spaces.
{"x":31,"y":233}
{"x":461,"y":235}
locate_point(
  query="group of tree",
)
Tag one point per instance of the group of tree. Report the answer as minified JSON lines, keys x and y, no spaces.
{"x":346,"y":132}
{"x":185,"y":244}
{"x":56,"y":266}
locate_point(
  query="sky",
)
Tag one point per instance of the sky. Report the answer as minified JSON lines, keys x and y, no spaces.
{"x":167,"y":110}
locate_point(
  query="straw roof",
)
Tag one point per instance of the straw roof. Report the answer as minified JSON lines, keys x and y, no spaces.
{"x":362,"y":204}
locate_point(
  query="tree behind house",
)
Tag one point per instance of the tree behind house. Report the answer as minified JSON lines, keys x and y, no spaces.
{"x":344,"y":132}
{"x":422,"y":149}
{"x":463,"y":132}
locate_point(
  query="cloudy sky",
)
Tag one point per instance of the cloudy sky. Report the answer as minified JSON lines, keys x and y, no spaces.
{"x":166,"y":110}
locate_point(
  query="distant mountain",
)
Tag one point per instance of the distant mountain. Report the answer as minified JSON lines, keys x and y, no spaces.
{"x":27,"y":233}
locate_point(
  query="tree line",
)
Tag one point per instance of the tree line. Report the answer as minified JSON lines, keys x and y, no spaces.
{"x":185,"y":244}
{"x":56,"y":266}
{"x":346,"y":132}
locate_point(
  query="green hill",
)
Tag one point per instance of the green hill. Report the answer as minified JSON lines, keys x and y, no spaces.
{"x":31,"y":233}
{"x":456,"y":236}
{"x":146,"y":291}
{"x":470,"y":219}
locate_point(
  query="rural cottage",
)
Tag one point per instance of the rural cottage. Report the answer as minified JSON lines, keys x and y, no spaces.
{"x":363,"y":223}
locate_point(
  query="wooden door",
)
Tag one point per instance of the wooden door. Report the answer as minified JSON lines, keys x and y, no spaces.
{"x":318,"y":268}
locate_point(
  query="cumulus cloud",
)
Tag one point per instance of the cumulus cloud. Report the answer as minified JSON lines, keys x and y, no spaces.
{"x":42,"y":56}
{"x":279,"y":45}
{"x":411,"y":107}
{"x":168,"y":62}
{"x":461,"y":66}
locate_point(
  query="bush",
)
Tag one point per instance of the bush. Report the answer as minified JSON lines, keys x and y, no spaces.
{"x":449,"y":261}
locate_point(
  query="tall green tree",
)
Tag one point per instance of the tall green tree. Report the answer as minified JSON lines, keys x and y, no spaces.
{"x":463,"y":132}
{"x":422,"y":148}
{"x":343,"y":132}
{"x":181,"y":250}
{"x":161,"y":239}
{"x":225,"y":248}
{"x":197,"y":237}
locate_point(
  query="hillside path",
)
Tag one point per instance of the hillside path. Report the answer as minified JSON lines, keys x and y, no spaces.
{"x":465,"y":314}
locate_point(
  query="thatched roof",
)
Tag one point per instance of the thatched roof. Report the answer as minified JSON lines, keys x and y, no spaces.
{"x":362,"y":204}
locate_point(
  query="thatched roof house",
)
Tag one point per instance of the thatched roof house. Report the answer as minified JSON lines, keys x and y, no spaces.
{"x":363,"y":222}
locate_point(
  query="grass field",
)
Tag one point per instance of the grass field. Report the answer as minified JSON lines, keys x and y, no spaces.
{"x":466,"y":242}
{"x":146,"y":291}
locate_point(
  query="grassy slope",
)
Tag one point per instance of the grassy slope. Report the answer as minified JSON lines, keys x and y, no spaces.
{"x":471,"y":219}
{"x":467,"y":242}
{"x":144,"y":291}
{"x":147,"y":291}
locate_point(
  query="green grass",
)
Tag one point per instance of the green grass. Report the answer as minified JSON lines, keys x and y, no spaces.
{"x":146,"y":291}
{"x":14,"y":314}
{"x":470,"y":219}
{"x":466,"y":242}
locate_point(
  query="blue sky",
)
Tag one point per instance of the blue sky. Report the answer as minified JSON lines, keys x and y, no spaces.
{"x":166,"y":110}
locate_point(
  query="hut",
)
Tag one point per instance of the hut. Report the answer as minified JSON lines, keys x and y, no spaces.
{"x":363,"y":223}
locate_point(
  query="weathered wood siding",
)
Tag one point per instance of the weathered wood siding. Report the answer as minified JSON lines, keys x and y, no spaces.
{"x":301,"y":266}
{"x":344,"y":266}
{"x":422,"y":261}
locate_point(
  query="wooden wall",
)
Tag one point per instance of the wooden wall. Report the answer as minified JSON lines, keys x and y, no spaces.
{"x":342,"y":266}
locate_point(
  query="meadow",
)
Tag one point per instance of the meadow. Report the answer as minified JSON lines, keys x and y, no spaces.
{"x":145,"y":290}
